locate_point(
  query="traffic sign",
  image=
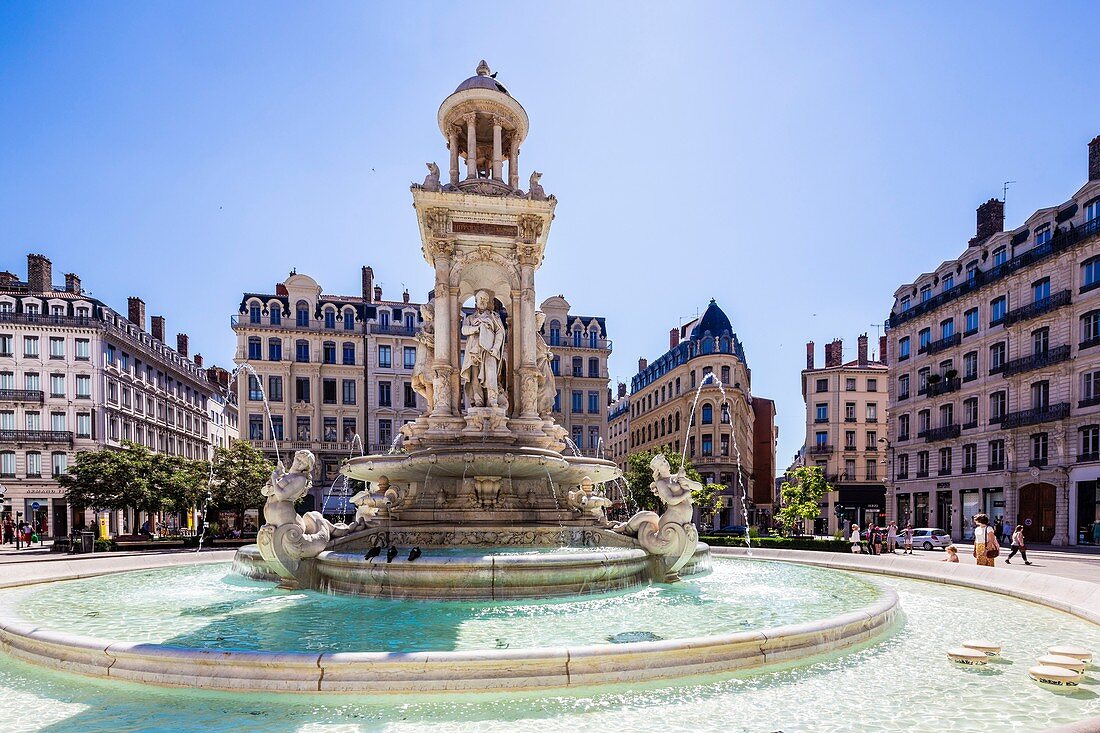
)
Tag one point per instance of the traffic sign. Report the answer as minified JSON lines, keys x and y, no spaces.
{"x":35,"y":506}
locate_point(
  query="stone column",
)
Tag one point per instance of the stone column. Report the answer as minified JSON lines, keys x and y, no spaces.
{"x":452,"y":144}
{"x":443,"y":318}
{"x":498,"y":156}
{"x":513,"y":165}
{"x":1061,"y":509}
{"x":471,"y":144}
{"x":456,"y":341}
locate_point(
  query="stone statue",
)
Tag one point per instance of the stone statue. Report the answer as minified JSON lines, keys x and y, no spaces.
{"x":367,"y":505}
{"x":535,"y":191}
{"x":586,"y":501}
{"x":431,"y":181}
{"x":287,"y":538}
{"x":482,"y":361}
{"x":422,"y":382}
{"x":672,"y":534}
{"x":547,"y":389}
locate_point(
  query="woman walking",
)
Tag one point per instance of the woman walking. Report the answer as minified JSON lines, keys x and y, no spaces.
{"x":907,"y":540}
{"x":855,"y":539}
{"x":1018,"y":545}
{"x":985,"y":541}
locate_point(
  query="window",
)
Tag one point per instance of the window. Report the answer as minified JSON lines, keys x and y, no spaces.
{"x":254,"y":349}
{"x":821,"y":438}
{"x":821,"y":412}
{"x":996,"y":455}
{"x":997,"y":357}
{"x":577,"y":338}
{"x":349,"y":320}
{"x":555,"y":333}
{"x":903,"y":427}
{"x":1038,"y":449}
{"x":1000,"y":256}
{"x":328,"y":352}
{"x":872,"y":469}
{"x":872,"y":440}
{"x":903,"y":348}
{"x":57,"y":347}
{"x":905,"y":303}
{"x":301,"y":389}
{"x":924,"y":422}
{"x":997,"y":309}
{"x":970,"y":458}
{"x":850,"y":385}
{"x":948,"y":282}
{"x":60,"y":464}
{"x":254,"y":313}
{"x":1090,"y":443}
{"x":1090,"y":273}
{"x":578,"y":401}
{"x":409,"y":395}
{"x":275,"y":389}
{"x":823,"y":385}
{"x":83,"y":425}
{"x":849,"y":470}
{"x":57,"y":385}
{"x":348,"y":392}
{"x":557,"y":401}
{"x":1092,"y":210}
{"x":276,"y":311}
{"x":5,"y":344}
{"x":998,"y":403}
{"x":578,"y":366}
{"x":850,"y":439}
{"x":947,"y":415}
{"x":328,"y":391}
{"x":1090,"y":329}
{"x":708,"y":445}
{"x":83,"y":349}
{"x":972,"y":271}
{"x":922,"y":380}
{"x":970,"y":366}
{"x":330,"y":318}
{"x":255,"y":392}
{"x":903,"y":387}
{"x":349,"y":429}
{"x":1040,"y":290}
{"x":708,"y":414}
{"x":945,"y":461}
{"x":384,"y":320}
{"x":1040,"y":341}
{"x":1090,"y":389}
{"x":385,"y":397}
{"x":725,"y":375}
{"x":384,"y":360}
{"x":83,"y":386}
{"x":872,"y":385}
{"x":555,"y":366}
{"x":1042,"y":234}
{"x":970,"y":412}
{"x":32,"y":383}
{"x":30,"y":346}
{"x":274,"y":349}
{"x":971,"y":321}
{"x":409,"y":357}
{"x":301,"y":351}
{"x":923,"y":339}
{"x":593,"y":340}
{"x":849,"y":412}
{"x":301,"y":314}
{"x":277,"y":427}
{"x":947,"y":328}
{"x":1040,"y":395}
{"x":925,"y":293}
{"x":255,"y":427}
{"x":594,"y":367}
{"x":594,"y":403}
{"x":872,"y":412}
{"x":903,"y":466}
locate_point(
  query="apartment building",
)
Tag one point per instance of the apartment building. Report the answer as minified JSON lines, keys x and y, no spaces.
{"x":846,"y":419}
{"x":994,"y":386}
{"x":76,"y":375}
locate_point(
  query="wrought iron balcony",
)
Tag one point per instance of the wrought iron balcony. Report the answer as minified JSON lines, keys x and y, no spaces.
{"x":1089,"y":401}
{"x":903,"y":436}
{"x":1038,"y":308}
{"x":944,"y":386}
{"x":1036,"y":415}
{"x":902,"y":475}
{"x":821,"y":448}
{"x":945,"y":343}
{"x":45,"y":319}
{"x":1037,"y":462}
{"x":999,"y":466}
{"x":922,"y":474}
{"x":943,"y":433}
{"x":36,"y":436}
{"x":1035,"y":361}
{"x":1088,"y":457}
{"x":969,"y":469}
{"x":21,"y":395}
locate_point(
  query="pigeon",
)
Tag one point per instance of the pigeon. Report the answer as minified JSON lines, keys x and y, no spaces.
{"x":391,"y":554}
{"x":373,"y":552}
{"x":414,"y":553}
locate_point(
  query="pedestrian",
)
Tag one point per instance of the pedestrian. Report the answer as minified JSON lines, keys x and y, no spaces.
{"x":907,"y":539}
{"x":856,"y":549}
{"x":9,"y":531}
{"x":999,"y":528}
{"x":952,"y":554}
{"x":876,"y":540}
{"x":985,"y":541}
{"x":892,"y":538}
{"x":1018,"y":545}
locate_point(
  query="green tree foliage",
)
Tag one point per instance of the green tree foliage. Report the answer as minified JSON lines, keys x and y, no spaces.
{"x":240,"y":471}
{"x":801,"y":496}
{"x":639,"y":476}
{"x":111,"y":478}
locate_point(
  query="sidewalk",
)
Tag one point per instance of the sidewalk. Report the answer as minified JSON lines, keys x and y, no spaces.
{"x":1078,"y":563}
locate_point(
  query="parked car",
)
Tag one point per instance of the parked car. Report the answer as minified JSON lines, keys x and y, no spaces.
{"x":738,"y":530}
{"x":929,"y":538}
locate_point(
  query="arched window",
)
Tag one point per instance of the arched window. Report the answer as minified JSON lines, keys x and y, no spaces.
{"x":255,"y":349}
{"x":301,"y":351}
{"x":555,"y":333}
{"x":275,"y":313}
{"x":708,"y":414}
{"x":330,"y":318}
{"x":302,"y":314}
{"x":725,"y":413}
{"x":349,"y":319}
{"x":593,"y":339}
{"x":328,"y":352}
{"x":577,"y":337}
{"x":254,"y":312}
{"x":676,"y":423}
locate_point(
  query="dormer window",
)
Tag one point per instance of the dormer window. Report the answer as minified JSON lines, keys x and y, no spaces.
{"x":1042,"y":234}
{"x":948,"y":282}
{"x":349,"y":320}
{"x":302,"y":314}
{"x":905,"y":304}
{"x":330,"y":318}
{"x":925,"y":293}
{"x":1092,"y":210}
{"x":254,"y":313}
{"x":1000,"y":256}
{"x":276,"y":311}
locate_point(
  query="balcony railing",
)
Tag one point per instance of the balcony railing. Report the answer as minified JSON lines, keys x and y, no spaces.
{"x":1088,"y":457}
{"x":969,"y":469}
{"x":922,"y":474}
{"x":821,"y":448}
{"x":45,"y":319}
{"x":1036,"y":361}
{"x":21,"y":395}
{"x":1037,"y":462}
{"x":943,"y":433}
{"x":945,"y":343}
{"x":315,"y":445}
{"x":903,"y":475}
{"x":393,"y":329}
{"x":903,"y":436}
{"x":943,"y":386}
{"x":1036,"y":415}
{"x":36,"y":436}
{"x":1060,"y":242}
{"x":999,"y":466}
{"x":1038,"y":308}
{"x":1089,"y":401}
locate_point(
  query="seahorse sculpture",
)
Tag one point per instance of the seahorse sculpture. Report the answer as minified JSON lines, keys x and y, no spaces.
{"x":671,"y":535}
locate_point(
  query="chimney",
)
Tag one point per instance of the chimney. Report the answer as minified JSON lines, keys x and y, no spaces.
{"x":158,"y":328}
{"x":219,"y":376}
{"x":834,"y":353}
{"x":368,"y":283}
{"x":72,"y":283}
{"x":405,"y":296}
{"x":181,"y":344}
{"x":809,"y":354}
{"x":991,"y":219}
{"x":861,"y":349}
{"x":882,"y":349}
{"x":135,"y":311}
{"x":622,"y":389}
{"x":39,"y":274}
{"x":198,"y":360}
{"x":1094,"y":159}
{"x":673,"y":338}
{"x":377,"y":293}
{"x":642,"y":364}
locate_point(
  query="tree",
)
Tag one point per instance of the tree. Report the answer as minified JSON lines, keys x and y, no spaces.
{"x":240,"y":471}
{"x":639,"y":476}
{"x":178,"y":482}
{"x":111,"y":478}
{"x":801,"y":496}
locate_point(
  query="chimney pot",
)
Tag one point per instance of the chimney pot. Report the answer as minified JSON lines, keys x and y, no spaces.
{"x":368,"y":283}
{"x":198,"y":360}
{"x":377,"y":292}
{"x":642,"y":364}
{"x":181,"y":344}
{"x":135,"y":311}
{"x":673,"y":338}
{"x":1094,"y":159}
{"x":861,"y":350}
{"x":834,"y":353}
{"x":809,"y":354}
{"x":622,"y":389}
{"x":72,"y":283}
{"x":157,"y":328}
{"x":991,"y":219}
{"x":39,"y":274}
{"x":882,"y":349}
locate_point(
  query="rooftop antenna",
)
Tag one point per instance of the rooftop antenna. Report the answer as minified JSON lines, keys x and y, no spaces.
{"x":1004,"y":199}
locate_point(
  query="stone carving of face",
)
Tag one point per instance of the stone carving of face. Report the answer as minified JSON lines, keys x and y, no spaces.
{"x":540,"y":318}
{"x":483,"y":300}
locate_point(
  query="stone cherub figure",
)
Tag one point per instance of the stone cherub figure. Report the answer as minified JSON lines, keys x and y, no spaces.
{"x":482,"y":361}
{"x":671,"y":534}
{"x":586,"y":501}
{"x":431,"y":181}
{"x":422,"y":382}
{"x":544,"y":358}
{"x":535,"y":191}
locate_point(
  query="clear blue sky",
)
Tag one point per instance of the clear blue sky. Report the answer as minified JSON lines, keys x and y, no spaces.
{"x":796,"y":161}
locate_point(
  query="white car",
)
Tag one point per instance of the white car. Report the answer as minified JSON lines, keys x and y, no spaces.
{"x":927,"y":538}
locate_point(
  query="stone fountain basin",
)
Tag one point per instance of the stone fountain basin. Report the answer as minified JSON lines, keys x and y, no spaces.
{"x":482,"y":460}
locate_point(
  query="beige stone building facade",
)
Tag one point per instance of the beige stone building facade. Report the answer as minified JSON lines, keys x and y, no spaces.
{"x":846,"y":418}
{"x":720,"y":439}
{"x":995,"y":377}
{"x":77,"y":375}
{"x":581,"y":348}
